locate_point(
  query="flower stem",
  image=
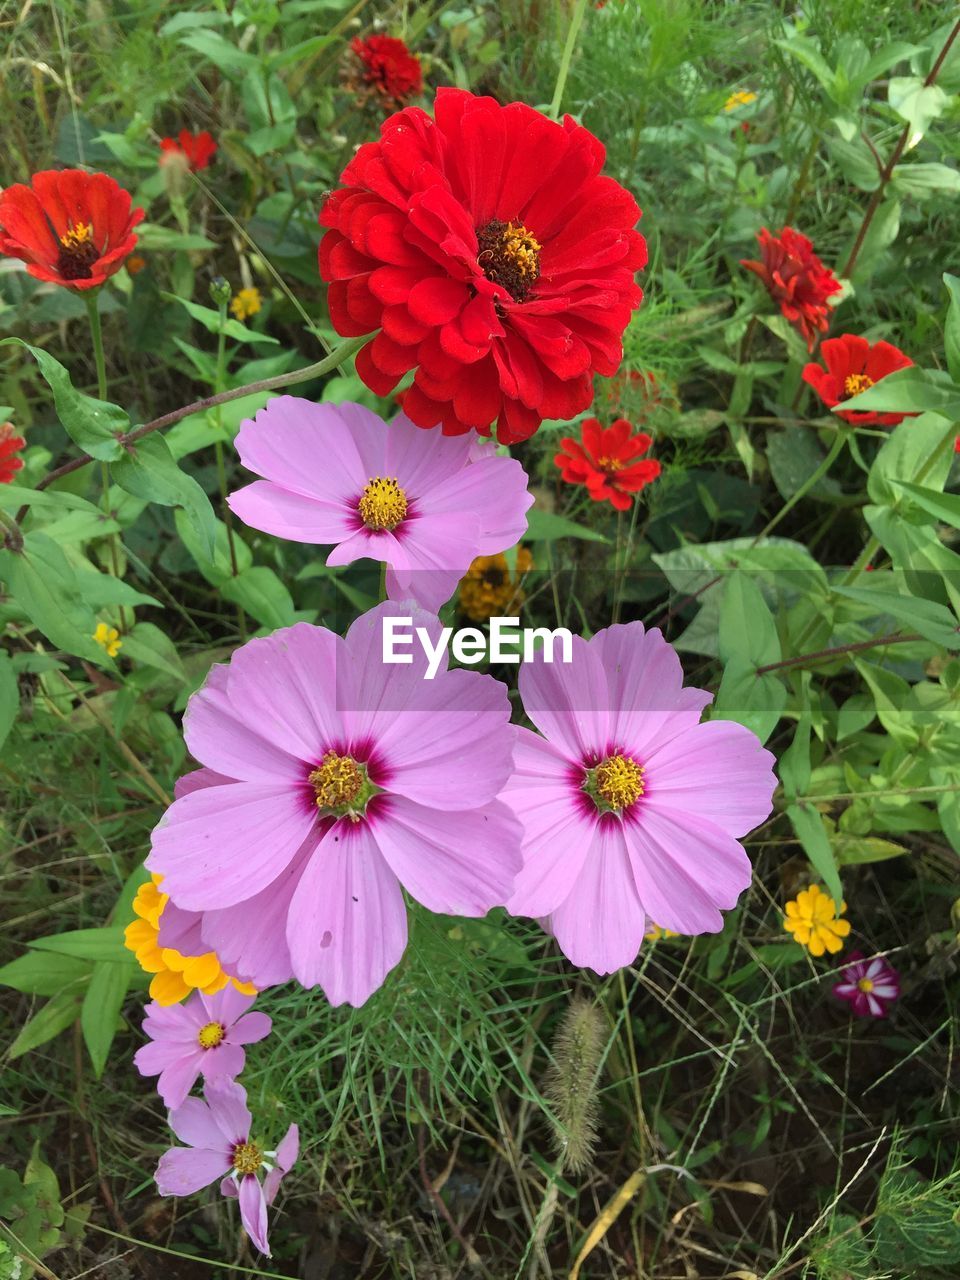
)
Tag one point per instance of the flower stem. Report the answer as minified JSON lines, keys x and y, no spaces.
{"x":839,"y":440}
{"x":96,"y":335}
{"x":576,"y":18}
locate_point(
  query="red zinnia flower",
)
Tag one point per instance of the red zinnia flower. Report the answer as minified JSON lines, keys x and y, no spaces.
{"x":196,"y":148}
{"x":389,"y":67}
{"x":10,"y":444}
{"x":853,"y":365}
{"x":797,"y":279}
{"x":607,"y":462}
{"x":493,"y":257}
{"x":71,"y":228}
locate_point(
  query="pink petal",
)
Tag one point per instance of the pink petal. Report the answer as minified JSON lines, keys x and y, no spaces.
{"x":600,"y":925}
{"x":194,"y":1124}
{"x":150,"y":1059}
{"x":454,"y":863}
{"x":287,"y":1153}
{"x":250,"y":1028}
{"x":222,"y":735}
{"x":253,"y":1212}
{"x":717,"y":771}
{"x":224,"y":1006}
{"x":177,"y":1079}
{"x":496,"y":489}
{"x":569,"y":702}
{"x":226,"y":1061}
{"x":289,"y":438}
{"x":283,"y":514}
{"x":184,"y":1170}
{"x":227,"y":1100}
{"x":221,"y":845}
{"x":347,"y":926}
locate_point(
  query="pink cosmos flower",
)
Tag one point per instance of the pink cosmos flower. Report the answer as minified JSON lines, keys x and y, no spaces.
{"x":205,"y":1036}
{"x":217,"y":1134}
{"x":870,"y":986}
{"x":331,"y":780}
{"x":426,"y":505}
{"x":631,"y":808}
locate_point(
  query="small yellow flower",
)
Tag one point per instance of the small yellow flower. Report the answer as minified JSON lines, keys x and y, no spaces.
{"x":175,"y":975}
{"x":108,"y":638}
{"x":813,"y":919}
{"x":742,"y":98}
{"x":488,"y":588}
{"x":654,"y":932}
{"x":246,"y":303}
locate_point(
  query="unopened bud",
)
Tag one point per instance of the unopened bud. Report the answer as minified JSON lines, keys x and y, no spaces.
{"x":220,"y":291}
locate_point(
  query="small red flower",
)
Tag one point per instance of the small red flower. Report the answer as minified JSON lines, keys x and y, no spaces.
{"x":196,"y":148}
{"x":492,"y":256}
{"x":71,"y":228}
{"x":10,"y":445}
{"x":607,"y":462}
{"x":853,"y":365}
{"x":797,"y":279}
{"x":389,"y":67}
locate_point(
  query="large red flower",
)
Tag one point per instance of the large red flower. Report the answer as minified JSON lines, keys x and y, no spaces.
{"x":492,"y":256}
{"x":853,"y":365}
{"x":10,"y":446}
{"x":608,"y":461}
{"x":71,"y":228}
{"x":797,"y":279}
{"x":389,"y":67}
{"x":197,"y":149}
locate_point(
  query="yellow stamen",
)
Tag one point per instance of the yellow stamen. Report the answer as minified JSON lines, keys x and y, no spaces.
{"x":865,"y":985}
{"x":856,"y":382}
{"x":210,"y":1035}
{"x":337,"y":782}
{"x":619,"y":781}
{"x":78,"y":235}
{"x":247,"y":1157}
{"x":383,"y":504}
{"x":510,"y":256}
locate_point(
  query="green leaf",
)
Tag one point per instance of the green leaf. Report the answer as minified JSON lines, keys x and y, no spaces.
{"x":223,"y":54}
{"x":916,"y":102}
{"x":809,"y":55}
{"x":545,"y":526}
{"x":105,"y":943}
{"x":43,"y":973}
{"x":751,"y":700}
{"x":13,"y":497}
{"x":951,"y":330}
{"x":92,"y":424}
{"x":793,"y":457}
{"x":909,"y":390}
{"x":216,"y":568}
{"x":926,"y":179}
{"x":933,"y":621}
{"x":856,"y":851}
{"x":910,"y":453}
{"x":263,"y":595}
{"x":812,"y":834}
{"x":9,"y":696}
{"x":148,"y":645}
{"x":44,"y":586}
{"x":149,"y":470}
{"x":55,"y":1016}
{"x":747,"y":627}
{"x":890,"y":693}
{"x":794,"y":768}
{"x":100,"y":1012}
{"x":210,"y":319}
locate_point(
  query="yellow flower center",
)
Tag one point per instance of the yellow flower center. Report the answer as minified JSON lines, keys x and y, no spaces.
{"x":210,"y":1035}
{"x":383,"y":504}
{"x":247,"y":1157}
{"x":609,"y":464}
{"x":618,"y":781}
{"x":77,"y":252}
{"x":337,"y":782}
{"x":509,"y":256}
{"x":854,"y":383}
{"x":865,"y":985}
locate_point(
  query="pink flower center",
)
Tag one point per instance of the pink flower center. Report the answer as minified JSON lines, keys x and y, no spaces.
{"x":211,"y":1034}
{"x":383,"y":504}
{"x":615,"y":783}
{"x":509,"y":256}
{"x":854,"y":383}
{"x":247,"y":1158}
{"x":342,"y":787}
{"x":77,"y":253}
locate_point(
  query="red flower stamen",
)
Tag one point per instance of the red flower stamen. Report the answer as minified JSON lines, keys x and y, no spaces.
{"x":608,"y":462}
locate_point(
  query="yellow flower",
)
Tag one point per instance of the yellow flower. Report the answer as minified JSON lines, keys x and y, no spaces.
{"x":175,"y":975}
{"x":654,"y":932}
{"x":108,"y":638}
{"x":489,"y":589}
{"x":246,"y":303}
{"x":742,"y":98}
{"x":813,"y":919}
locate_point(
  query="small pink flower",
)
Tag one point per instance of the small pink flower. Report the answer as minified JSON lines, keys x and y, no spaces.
{"x":424,"y":504}
{"x":203,"y":1037}
{"x":632,"y":810}
{"x":217,"y":1134}
{"x":332,"y":782}
{"x":869,"y":986}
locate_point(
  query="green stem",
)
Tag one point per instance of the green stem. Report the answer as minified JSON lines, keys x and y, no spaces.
{"x":12,"y":537}
{"x":96,"y":334}
{"x":383,"y":582}
{"x":839,"y":440}
{"x":576,"y":18}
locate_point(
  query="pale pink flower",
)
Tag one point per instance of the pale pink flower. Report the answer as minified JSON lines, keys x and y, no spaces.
{"x":869,"y":986}
{"x":217,"y":1134}
{"x":203,"y":1036}
{"x":632,"y":809}
{"x":424,"y":504}
{"x":331,"y":780}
